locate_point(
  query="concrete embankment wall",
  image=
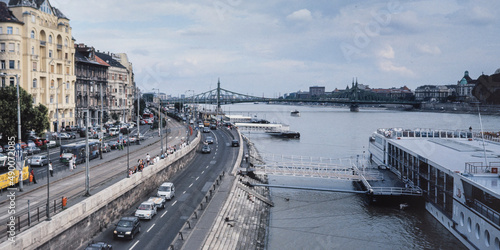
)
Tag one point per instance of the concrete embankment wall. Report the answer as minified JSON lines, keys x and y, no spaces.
{"x":74,"y":227}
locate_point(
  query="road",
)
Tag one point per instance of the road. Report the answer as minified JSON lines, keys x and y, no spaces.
{"x":71,"y":184}
{"x":192,"y":184}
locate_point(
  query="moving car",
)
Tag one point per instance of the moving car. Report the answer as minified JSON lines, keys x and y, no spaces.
{"x":113,"y":144}
{"x":106,"y":148}
{"x":235,"y":143}
{"x":64,"y":136}
{"x":146,"y":210}
{"x":99,"y":246}
{"x":206,"y":149}
{"x":209,"y":140}
{"x":206,"y":130}
{"x":166,"y":190}
{"x":38,"y":160}
{"x":127,"y":227}
{"x":158,"y":201}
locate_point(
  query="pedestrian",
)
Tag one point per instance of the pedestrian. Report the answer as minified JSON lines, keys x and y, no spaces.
{"x":147,"y":159}
{"x":33,"y":174}
{"x":246,"y":157}
{"x":70,"y":163}
{"x":51,"y":170}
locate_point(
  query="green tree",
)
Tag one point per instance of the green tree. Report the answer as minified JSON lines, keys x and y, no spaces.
{"x":142,"y":106}
{"x":32,"y":117}
{"x":115,"y":116}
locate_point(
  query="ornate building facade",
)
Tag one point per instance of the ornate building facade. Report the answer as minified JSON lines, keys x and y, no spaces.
{"x":91,"y":89}
{"x":40,"y":49}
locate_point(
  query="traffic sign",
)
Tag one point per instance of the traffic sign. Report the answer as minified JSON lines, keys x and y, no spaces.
{"x":18,"y":146}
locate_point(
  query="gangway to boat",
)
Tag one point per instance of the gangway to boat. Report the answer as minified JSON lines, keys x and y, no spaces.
{"x":375,"y":181}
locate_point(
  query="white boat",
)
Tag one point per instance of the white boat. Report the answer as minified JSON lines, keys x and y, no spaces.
{"x":295,"y":113}
{"x":458,"y":174}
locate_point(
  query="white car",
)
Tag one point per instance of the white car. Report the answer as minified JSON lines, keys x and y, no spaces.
{"x":166,"y":190}
{"x":146,"y":210}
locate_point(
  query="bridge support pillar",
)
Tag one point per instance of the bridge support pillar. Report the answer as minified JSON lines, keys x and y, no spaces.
{"x":354,"y":107}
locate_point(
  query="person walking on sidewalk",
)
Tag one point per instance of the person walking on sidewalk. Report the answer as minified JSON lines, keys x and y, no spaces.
{"x":33,"y":174}
{"x":71,"y":164}
{"x":148,"y":158}
{"x":51,"y":170}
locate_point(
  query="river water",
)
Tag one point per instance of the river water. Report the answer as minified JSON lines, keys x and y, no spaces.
{"x":324,"y":220}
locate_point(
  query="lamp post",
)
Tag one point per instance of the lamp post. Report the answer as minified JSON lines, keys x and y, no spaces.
{"x":87,"y":180}
{"x":138,"y":122}
{"x":101,"y":135}
{"x":20,"y":156}
{"x":160,"y":123}
{"x":187,"y":122}
{"x":48,"y":182}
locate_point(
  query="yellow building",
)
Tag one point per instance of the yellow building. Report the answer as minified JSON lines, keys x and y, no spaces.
{"x":44,"y":57}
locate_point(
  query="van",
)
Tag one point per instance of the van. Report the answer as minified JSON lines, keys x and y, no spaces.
{"x":166,"y":190}
{"x":113,"y":131}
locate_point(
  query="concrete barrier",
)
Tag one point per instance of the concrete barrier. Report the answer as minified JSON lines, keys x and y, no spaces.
{"x":74,"y":227}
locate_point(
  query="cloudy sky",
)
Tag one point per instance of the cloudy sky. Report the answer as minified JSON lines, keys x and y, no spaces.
{"x":274,"y":47}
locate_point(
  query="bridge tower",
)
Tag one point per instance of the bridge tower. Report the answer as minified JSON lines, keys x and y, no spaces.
{"x":219,"y":110}
{"x":354,"y":96}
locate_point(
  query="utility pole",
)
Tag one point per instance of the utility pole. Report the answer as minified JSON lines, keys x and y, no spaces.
{"x":87,"y":180}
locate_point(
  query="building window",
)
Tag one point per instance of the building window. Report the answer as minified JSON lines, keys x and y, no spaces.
{"x":12,"y":64}
{"x":50,"y":53}
{"x":51,"y":99}
{"x":50,"y":38}
{"x":67,"y":70}
{"x":33,"y":34}
{"x":46,"y":8}
{"x":66,"y":56}
{"x":67,"y":99}
{"x":3,"y":82}
{"x":2,"y":47}
{"x":34,"y":66}
{"x":33,"y":18}
{"x":67,"y":85}
{"x":70,"y":114}
{"x":17,"y":31}
{"x":51,"y":68}
{"x":33,"y":50}
{"x":12,"y":81}
{"x":62,"y":115}
{"x":12,"y":47}
{"x":34,"y":83}
{"x":66,"y":45}
{"x":9,"y":30}
{"x":1,"y":31}
{"x":52,"y":84}
{"x":34,"y":100}
{"x":2,"y":64}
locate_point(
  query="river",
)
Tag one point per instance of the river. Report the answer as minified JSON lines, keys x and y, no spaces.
{"x":325,"y":220}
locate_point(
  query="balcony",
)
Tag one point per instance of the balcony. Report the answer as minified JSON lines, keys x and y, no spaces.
{"x":43,"y":43}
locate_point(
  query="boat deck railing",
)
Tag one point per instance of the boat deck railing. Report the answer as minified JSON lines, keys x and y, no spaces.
{"x":481,"y":168}
{"x":487,"y":212}
{"x":438,"y":133}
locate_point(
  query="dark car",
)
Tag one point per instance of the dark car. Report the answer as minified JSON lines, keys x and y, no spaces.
{"x":213,"y":126}
{"x":127,"y":227}
{"x":72,"y":135}
{"x":113,"y":144}
{"x":235,"y":143}
{"x":99,"y":246}
{"x":206,"y":149}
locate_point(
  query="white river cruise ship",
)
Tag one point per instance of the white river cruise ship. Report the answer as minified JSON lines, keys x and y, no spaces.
{"x":458,"y":172}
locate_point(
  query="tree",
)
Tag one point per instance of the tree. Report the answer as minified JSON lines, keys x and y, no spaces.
{"x":105,"y":117}
{"x":115,"y":116}
{"x":32,"y":117}
{"x":142,"y":106}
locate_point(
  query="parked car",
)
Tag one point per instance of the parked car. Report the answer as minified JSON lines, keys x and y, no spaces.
{"x":32,"y":150}
{"x":64,"y":136}
{"x":147,"y":210}
{"x":206,"y":149}
{"x":209,"y":140}
{"x":235,"y":143}
{"x":99,"y":246}
{"x":127,"y":227}
{"x":72,"y":135}
{"x":31,"y":143}
{"x":113,"y":144}
{"x":106,"y":148}
{"x":167,"y":190}
{"x":38,"y":160}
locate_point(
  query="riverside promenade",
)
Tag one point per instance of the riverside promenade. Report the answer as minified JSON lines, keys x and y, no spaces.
{"x":236,"y":217}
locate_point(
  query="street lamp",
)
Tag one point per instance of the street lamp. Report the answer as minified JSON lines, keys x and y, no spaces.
{"x":20,"y":156}
{"x":187,"y":122}
{"x":159,"y":111}
{"x":48,"y":167}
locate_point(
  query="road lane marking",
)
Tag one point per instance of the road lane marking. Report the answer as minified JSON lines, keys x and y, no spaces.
{"x":184,"y":192}
{"x":150,"y":228}
{"x":163,"y":214}
{"x":190,"y":186}
{"x":208,"y":166}
{"x":197,"y":178}
{"x":133,"y":245}
{"x":202,"y":172}
{"x":174,"y":203}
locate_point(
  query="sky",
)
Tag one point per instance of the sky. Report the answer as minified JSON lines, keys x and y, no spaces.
{"x":269,"y":48}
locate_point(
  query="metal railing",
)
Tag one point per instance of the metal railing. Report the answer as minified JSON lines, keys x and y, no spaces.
{"x":487,"y":212}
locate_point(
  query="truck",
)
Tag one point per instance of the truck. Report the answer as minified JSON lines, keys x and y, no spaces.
{"x":158,"y":201}
{"x":146,"y":210}
{"x":166,"y":190}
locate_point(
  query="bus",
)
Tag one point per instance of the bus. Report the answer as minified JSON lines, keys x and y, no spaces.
{"x":78,"y":149}
{"x":147,"y":116}
{"x":9,"y":179}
